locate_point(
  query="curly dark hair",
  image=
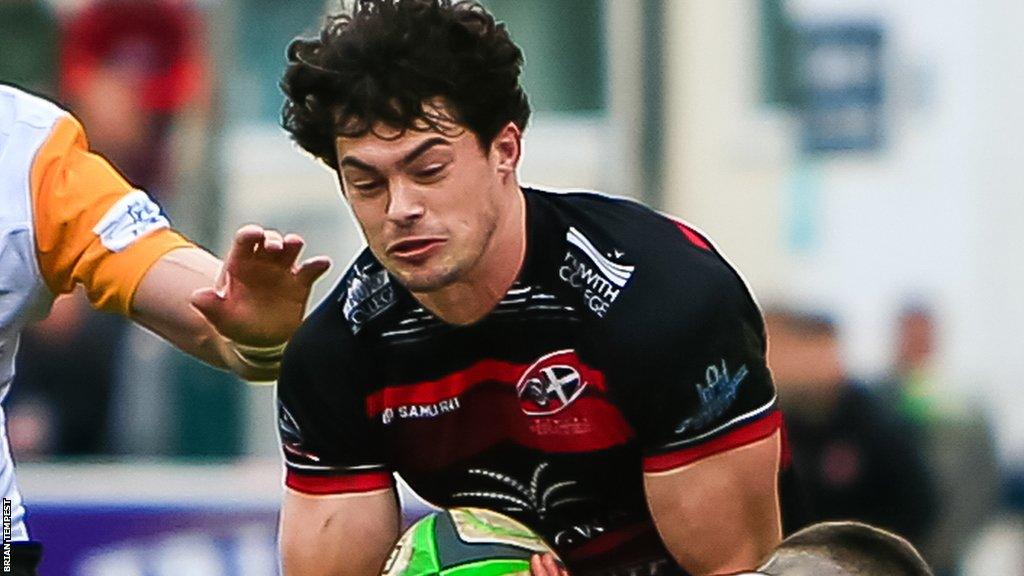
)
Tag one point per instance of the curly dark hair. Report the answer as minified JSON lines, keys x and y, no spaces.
{"x":384,"y":61}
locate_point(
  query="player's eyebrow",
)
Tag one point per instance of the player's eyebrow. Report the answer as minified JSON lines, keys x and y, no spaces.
{"x":422,"y":149}
{"x":415,"y":153}
{"x":356,"y":163}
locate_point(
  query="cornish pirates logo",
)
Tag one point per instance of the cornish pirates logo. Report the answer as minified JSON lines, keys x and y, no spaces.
{"x":130,"y":218}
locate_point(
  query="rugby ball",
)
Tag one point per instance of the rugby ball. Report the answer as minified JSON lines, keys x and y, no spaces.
{"x":464,"y":542}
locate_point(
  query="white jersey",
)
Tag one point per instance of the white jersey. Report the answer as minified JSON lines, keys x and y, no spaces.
{"x":66,"y":218}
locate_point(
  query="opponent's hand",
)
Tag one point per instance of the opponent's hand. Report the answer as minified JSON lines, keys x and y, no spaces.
{"x":546,"y":565}
{"x":260,"y":296}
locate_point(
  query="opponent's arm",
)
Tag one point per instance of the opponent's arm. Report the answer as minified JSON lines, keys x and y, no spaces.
{"x":339,"y":534}
{"x":236,"y":314}
{"x":93,"y":229}
{"x":720,"y":515}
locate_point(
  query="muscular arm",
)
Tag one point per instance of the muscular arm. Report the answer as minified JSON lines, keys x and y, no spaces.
{"x":720,"y":515}
{"x":162,"y":304}
{"x":337,"y":535}
{"x":92,"y":228}
{"x":340,"y":513}
{"x":261,"y":300}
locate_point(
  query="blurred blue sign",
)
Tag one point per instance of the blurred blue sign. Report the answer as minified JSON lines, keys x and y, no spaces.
{"x":146,"y":540}
{"x":842,"y":87}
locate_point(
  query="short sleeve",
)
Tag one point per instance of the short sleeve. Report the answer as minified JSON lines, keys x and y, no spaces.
{"x":91,"y":226}
{"x":708,"y":388}
{"x":324,"y":431}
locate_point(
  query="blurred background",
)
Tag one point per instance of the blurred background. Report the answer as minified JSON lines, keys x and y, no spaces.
{"x":859,"y":161}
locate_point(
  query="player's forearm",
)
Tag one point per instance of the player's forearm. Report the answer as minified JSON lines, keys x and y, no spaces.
{"x":720,"y":515}
{"x":161,"y":303}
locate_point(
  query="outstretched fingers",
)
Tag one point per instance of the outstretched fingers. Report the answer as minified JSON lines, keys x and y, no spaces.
{"x":264,"y":245}
{"x":312,"y":269}
{"x":248,"y":239}
{"x":293,"y":244}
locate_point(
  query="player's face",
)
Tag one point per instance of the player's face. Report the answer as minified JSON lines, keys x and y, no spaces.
{"x":427,"y":202}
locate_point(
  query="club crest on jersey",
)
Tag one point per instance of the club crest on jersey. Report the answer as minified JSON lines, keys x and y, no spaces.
{"x":550,"y":384}
{"x":596,"y":275}
{"x":369,"y":293}
{"x":133,"y":216}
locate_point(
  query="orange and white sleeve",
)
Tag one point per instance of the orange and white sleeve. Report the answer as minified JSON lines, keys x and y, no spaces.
{"x":91,"y":226}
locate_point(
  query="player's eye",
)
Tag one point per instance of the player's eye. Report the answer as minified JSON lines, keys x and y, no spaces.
{"x":431,"y":172}
{"x":367,"y":187}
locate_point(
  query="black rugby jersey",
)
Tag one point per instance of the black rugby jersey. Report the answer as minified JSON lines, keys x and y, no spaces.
{"x":626,"y":345}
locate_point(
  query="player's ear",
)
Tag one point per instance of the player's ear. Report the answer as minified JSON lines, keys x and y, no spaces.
{"x":506,"y":149}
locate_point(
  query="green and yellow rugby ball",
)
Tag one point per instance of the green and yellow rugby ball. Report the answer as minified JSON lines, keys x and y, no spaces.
{"x":465,"y":542}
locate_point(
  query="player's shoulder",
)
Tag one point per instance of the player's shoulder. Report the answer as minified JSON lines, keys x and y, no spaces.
{"x":595,"y":220}
{"x":18,"y":106}
{"x":639,"y":259}
{"x":363,"y":292}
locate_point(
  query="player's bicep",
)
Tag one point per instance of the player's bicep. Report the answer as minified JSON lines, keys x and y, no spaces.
{"x":340,"y":515}
{"x":338,"y":535}
{"x":720,"y":515}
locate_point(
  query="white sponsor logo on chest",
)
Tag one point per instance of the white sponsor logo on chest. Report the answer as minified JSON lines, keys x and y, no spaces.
{"x":594,"y":274}
{"x":410,"y":411}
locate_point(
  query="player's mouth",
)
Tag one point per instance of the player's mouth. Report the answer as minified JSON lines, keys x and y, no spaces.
{"x":415,"y":249}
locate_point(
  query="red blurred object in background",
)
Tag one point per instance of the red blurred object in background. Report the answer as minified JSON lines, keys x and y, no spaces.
{"x":154,"y":40}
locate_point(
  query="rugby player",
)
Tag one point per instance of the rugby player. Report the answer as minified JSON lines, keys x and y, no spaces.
{"x":844,"y":549}
{"x":579,"y":362}
{"x":68,"y":218}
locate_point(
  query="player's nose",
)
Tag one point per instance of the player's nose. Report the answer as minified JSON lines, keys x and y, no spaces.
{"x":405,"y":204}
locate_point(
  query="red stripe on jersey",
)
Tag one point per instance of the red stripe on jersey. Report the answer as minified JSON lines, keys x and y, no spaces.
{"x":747,"y":434}
{"x":692,"y":236}
{"x":598,"y":425}
{"x":459,"y":382}
{"x":320,"y":485}
{"x":443,"y":388}
{"x":493,"y":413}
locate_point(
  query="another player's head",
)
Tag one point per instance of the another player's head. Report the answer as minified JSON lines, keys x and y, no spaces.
{"x":417,"y":105}
{"x":845,"y":549}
